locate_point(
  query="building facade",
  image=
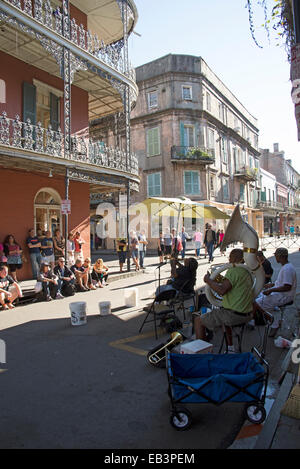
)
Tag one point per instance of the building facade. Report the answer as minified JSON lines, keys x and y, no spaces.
{"x":193,"y":137}
{"x":62,"y":64}
{"x":287,"y":187}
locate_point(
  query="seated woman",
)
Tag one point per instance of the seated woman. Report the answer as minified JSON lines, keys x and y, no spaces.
{"x":184,"y":278}
{"x":87,"y":267}
{"x":49,"y":283}
{"x":13,"y":253}
{"x":99,"y":273}
{"x":9,"y":289}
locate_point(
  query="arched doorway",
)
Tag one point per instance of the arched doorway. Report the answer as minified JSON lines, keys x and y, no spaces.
{"x":47,"y":210}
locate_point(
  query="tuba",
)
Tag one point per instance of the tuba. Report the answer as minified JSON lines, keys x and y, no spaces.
{"x":239,"y":230}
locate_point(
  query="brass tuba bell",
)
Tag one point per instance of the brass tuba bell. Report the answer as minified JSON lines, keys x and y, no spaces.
{"x":239,"y":230}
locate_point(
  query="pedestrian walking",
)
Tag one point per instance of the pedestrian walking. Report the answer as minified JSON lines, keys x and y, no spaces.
{"x":197,"y":238}
{"x":184,"y":238}
{"x":210,"y":242}
{"x":142,"y":247}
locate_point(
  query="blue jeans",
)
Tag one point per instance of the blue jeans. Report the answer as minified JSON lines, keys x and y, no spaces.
{"x":36,"y":259}
{"x":210,"y":250}
{"x":142,"y":256}
{"x":183,"y":249}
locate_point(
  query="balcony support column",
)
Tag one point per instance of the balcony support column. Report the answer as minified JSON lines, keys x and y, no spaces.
{"x":66,"y":73}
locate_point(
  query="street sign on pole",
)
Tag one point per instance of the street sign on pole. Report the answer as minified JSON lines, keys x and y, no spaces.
{"x":66,"y":207}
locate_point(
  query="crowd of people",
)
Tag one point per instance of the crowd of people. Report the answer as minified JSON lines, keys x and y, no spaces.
{"x":56,"y":276}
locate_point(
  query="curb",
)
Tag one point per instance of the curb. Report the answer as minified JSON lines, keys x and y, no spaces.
{"x":266,"y":436}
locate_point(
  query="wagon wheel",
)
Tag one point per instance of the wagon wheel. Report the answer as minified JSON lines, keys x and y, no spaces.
{"x":181,"y":419}
{"x":256,"y":413}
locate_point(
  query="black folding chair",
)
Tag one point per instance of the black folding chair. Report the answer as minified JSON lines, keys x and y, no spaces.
{"x":154,"y":314}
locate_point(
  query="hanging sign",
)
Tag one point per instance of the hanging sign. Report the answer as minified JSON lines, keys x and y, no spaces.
{"x":66,"y":207}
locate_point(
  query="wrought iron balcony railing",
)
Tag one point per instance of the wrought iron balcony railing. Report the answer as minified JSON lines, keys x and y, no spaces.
{"x":51,"y":17}
{"x":34,"y":138}
{"x":245,"y":172}
{"x":203,"y":155}
{"x":269,"y":204}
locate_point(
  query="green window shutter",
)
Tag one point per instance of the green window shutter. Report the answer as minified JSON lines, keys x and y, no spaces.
{"x":195,"y":182}
{"x":29,"y":102}
{"x":182,"y":139}
{"x":54,"y":111}
{"x":154,"y":185}
{"x":153,"y":143}
{"x":191,"y":183}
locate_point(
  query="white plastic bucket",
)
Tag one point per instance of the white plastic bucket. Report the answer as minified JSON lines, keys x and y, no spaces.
{"x":78,"y":313}
{"x":105,"y":308}
{"x":131,"y":297}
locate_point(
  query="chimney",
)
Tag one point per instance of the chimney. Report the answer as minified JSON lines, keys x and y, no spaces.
{"x":276,"y":147}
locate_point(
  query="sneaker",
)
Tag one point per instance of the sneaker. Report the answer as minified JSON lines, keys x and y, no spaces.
{"x":59,"y":296}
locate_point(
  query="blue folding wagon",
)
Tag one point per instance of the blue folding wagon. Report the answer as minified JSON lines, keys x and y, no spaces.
{"x":208,"y":378}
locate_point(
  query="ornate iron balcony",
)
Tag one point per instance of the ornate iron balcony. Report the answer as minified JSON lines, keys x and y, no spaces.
{"x":34,"y":138}
{"x":199,"y":154}
{"x":245,"y":172}
{"x":51,"y":16}
{"x":269,"y":204}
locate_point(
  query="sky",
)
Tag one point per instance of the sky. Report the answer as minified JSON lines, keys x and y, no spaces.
{"x":219,"y":32}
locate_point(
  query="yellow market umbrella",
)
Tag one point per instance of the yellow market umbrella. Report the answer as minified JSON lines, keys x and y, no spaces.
{"x":186,"y":207}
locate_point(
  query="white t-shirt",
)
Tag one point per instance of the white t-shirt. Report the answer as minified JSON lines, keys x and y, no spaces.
{"x":142,"y":246}
{"x":287,"y":275}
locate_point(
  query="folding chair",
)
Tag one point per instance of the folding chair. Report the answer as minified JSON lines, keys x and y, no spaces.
{"x":156,"y":315}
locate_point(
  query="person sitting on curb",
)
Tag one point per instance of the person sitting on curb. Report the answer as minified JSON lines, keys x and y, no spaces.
{"x":81,"y":275}
{"x":9,"y":289}
{"x":49,"y":283}
{"x":66,"y":278}
{"x":281,"y":292}
{"x":237,"y":302}
{"x":99,"y":273}
{"x":87,"y":266}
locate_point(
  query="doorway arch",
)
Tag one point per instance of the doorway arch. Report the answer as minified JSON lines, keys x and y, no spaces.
{"x":47,"y":210}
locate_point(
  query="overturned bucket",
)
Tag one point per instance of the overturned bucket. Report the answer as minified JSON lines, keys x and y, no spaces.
{"x":78,"y":313}
{"x":105,"y":308}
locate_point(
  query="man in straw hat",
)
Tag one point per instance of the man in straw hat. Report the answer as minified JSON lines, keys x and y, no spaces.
{"x":281,"y":292}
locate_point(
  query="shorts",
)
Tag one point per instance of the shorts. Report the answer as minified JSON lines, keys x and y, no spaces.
{"x":168,"y":250}
{"x":122,"y":256}
{"x":14,"y":267}
{"x":135,"y":254}
{"x":222,"y":316}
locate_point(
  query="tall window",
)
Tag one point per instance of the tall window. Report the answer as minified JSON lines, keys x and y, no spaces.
{"x":187,"y":93}
{"x":154,"y":184}
{"x":224,"y":152}
{"x":242,"y":192}
{"x":41,"y":103}
{"x":225,"y":188}
{"x":152,"y":99}
{"x":210,"y":138}
{"x":208,"y":102}
{"x":189,"y":136}
{"x":153,"y":141}
{"x":191,"y":183}
{"x":47,"y":210}
{"x":2,"y":91}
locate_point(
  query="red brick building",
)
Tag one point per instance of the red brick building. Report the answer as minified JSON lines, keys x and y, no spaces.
{"x":62,"y":64}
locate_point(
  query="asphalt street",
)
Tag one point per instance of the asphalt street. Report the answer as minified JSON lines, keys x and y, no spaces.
{"x":91,"y":386}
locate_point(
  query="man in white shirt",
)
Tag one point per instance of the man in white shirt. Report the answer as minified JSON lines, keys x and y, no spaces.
{"x":280,"y":293}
